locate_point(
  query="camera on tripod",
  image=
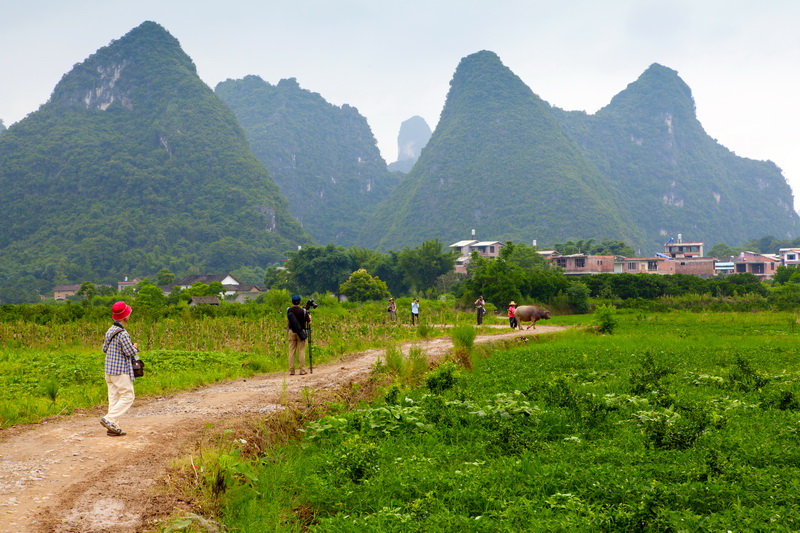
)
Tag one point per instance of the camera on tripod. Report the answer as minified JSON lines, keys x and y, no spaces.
{"x":311,"y":304}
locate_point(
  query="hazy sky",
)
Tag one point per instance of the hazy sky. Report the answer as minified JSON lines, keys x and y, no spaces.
{"x":394,"y":59}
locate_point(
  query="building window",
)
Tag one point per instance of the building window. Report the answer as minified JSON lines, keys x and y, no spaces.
{"x":562,"y":262}
{"x":758,"y":268}
{"x":631,"y":266}
{"x":791,"y":257}
{"x":580,"y":262}
{"x":741,"y":267}
{"x":652,"y":265}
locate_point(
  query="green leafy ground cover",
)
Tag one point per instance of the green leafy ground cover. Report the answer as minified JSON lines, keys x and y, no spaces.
{"x":675,"y":422}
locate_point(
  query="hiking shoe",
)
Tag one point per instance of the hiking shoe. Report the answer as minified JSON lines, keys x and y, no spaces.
{"x":302,"y":372}
{"x":291,"y":372}
{"x":117,"y":433}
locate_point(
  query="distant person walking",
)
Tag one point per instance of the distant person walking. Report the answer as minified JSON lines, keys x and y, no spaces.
{"x":512,"y":320}
{"x":119,"y":352}
{"x":299,"y":319}
{"x":414,"y":312}
{"x":480,"y":309}
{"x":392,"y":310}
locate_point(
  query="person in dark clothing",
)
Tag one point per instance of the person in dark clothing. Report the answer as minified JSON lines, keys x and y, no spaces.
{"x":479,"y":309}
{"x":299,"y":320}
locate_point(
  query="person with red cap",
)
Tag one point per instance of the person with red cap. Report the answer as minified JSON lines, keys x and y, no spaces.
{"x":119,"y":352}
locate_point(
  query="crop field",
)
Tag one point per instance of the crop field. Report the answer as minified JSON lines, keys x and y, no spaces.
{"x":56,"y":367}
{"x":673,"y":422}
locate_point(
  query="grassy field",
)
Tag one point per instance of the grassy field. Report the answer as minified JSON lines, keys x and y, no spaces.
{"x":56,"y":367}
{"x":675,"y":422}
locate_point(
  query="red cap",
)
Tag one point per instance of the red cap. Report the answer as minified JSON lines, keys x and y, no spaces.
{"x":120,"y":310}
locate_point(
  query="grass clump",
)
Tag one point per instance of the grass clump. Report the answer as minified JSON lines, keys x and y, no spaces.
{"x":463,"y":341}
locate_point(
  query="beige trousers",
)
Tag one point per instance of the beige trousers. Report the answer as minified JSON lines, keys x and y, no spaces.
{"x":120,"y":396}
{"x":297,"y":350}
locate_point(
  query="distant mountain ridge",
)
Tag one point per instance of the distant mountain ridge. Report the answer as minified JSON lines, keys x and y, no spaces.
{"x":135,"y":165}
{"x":324,"y":158}
{"x":414,"y":135}
{"x":510,"y":165}
{"x":649,"y":143}
{"x":499,"y":162}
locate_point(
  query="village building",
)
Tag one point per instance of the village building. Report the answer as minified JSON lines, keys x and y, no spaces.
{"x":203,"y":300}
{"x":206,"y":279}
{"x":124,"y":284}
{"x":684,"y":250}
{"x":62,"y":292}
{"x":489,"y":249}
{"x":789,"y":256}
{"x":583,"y":264}
{"x":644,"y":265}
{"x":761,"y":265}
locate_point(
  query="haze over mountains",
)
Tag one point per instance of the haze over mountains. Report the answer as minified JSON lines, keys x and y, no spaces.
{"x":134,"y":165}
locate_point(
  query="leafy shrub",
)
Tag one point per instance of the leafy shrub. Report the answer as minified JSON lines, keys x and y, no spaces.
{"x":784,"y":400}
{"x":647,"y":378}
{"x":606,"y":318}
{"x":354,"y":459}
{"x":744,"y":377}
{"x":442,"y":379}
{"x":676,"y":429}
{"x":578,"y":297}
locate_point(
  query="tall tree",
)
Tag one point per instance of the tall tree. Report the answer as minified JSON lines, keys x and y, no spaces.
{"x":319,"y":268}
{"x":421,"y":266}
{"x":361,"y":287}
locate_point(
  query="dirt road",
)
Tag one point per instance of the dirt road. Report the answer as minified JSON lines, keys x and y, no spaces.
{"x":66,"y":475}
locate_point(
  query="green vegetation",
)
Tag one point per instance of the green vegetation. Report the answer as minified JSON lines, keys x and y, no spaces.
{"x":324,"y":158}
{"x":677,"y":422}
{"x":51,"y":362}
{"x":500,"y":162}
{"x":149,"y":171}
{"x":319,"y":269}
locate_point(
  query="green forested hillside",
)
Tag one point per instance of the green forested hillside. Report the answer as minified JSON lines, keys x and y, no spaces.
{"x":499,"y":162}
{"x":642,"y":169}
{"x":324,"y":158}
{"x":678,"y":179}
{"x":135,"y":165}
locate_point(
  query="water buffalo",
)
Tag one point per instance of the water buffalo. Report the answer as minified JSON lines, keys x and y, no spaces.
{"x":530,"y":313}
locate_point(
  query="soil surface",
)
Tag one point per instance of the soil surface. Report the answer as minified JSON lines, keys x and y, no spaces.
{"x":66,"y":475}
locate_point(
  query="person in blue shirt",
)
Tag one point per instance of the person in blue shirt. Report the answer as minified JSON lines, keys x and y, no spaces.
{"x":119,"y":352}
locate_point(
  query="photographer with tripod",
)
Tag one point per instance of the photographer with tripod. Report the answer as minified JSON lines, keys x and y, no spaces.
{"x":299,"y":324}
